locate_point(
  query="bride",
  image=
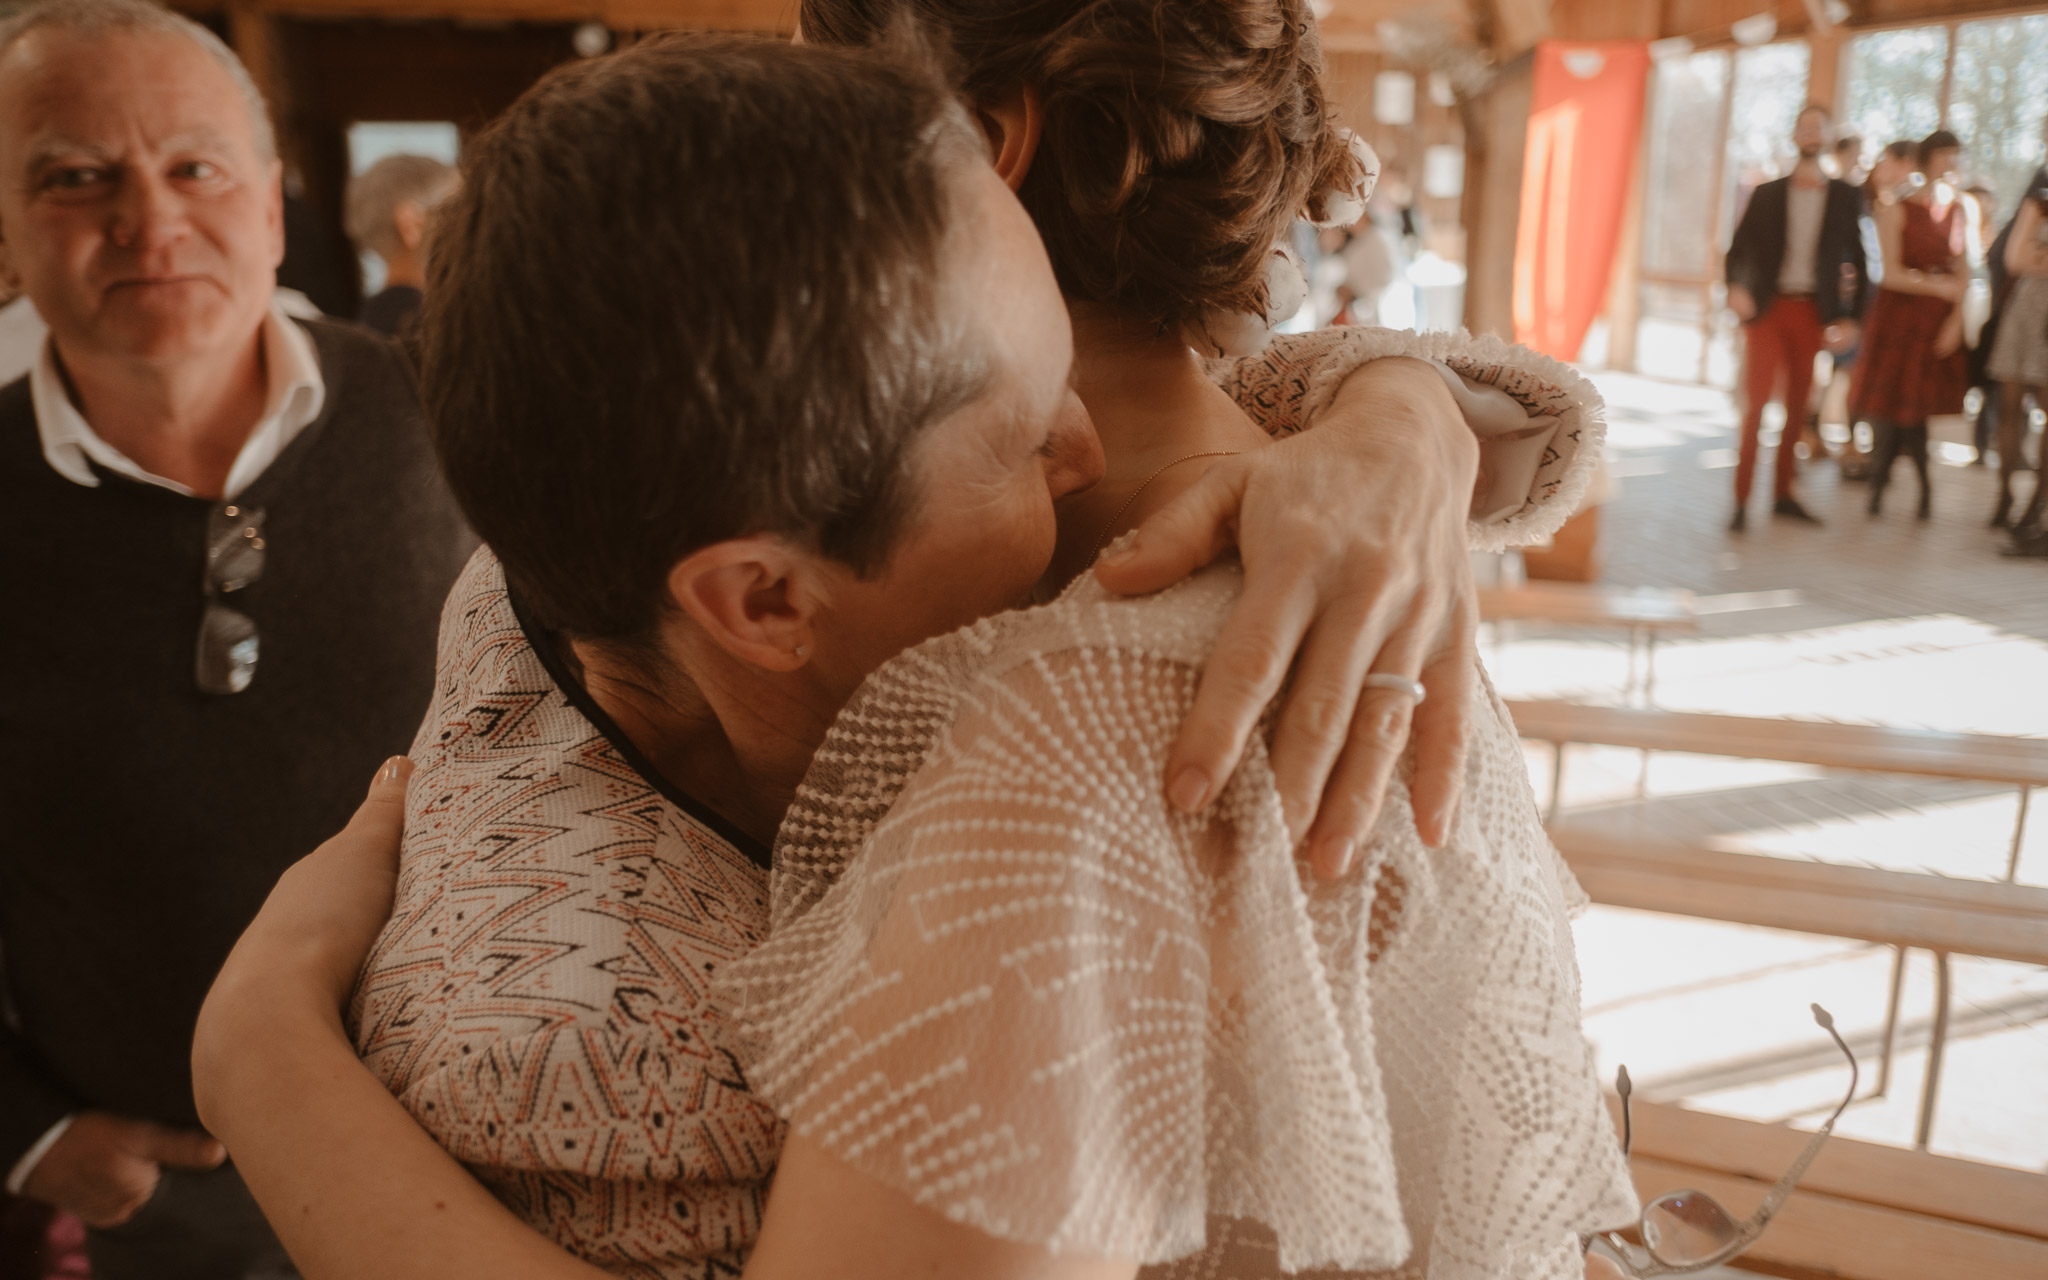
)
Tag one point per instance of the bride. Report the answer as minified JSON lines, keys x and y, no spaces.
{"x":1032,"y":1020}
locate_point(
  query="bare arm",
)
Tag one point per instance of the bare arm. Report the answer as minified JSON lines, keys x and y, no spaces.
{"x":827,"y":1221}
{"x":353,"y":1187}
{"x":2024,"y":253}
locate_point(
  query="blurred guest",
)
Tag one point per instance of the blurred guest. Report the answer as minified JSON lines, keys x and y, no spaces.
{"x":2018,"y":362}
{"x":1889,"y":179}
{"x":230,"y":545}
{"x":1795,"y":270}
{"x":1917,"y":366}
{"x":1978,"y":332}
{"x":1995,"y":266}
{"x":1848,"y":158}
{"x":388,"y":207}
{"x":1371,"y":265}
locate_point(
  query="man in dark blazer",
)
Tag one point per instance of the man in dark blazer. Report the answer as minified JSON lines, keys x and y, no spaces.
{"x":1796,"y":270}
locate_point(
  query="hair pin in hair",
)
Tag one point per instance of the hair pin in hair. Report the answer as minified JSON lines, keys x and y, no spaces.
{"x":1343,"y":206}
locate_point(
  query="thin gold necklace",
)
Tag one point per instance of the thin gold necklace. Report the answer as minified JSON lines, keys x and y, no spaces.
{"x":1111,"y":526}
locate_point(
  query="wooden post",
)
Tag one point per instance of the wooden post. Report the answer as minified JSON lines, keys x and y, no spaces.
{"x":254,"y":35}
{"x":1496,"y":140}
{"x":1624,"y":282}
{"x":1824,"y":66}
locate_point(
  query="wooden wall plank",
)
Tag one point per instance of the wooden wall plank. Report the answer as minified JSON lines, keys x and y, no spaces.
{"x":624,"y":15}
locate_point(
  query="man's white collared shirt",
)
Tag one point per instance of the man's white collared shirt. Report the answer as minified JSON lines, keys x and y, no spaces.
{"x":295,"y":395}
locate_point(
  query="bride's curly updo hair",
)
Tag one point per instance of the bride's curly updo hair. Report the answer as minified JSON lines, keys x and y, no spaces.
{"x":1181,"y":137}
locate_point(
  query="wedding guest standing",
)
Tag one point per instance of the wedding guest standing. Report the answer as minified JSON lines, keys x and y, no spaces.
{"x":389,"y":205}
{"x":2019,"y":357}
{"x":1916,"y":366}
{"x":1796,"y":271}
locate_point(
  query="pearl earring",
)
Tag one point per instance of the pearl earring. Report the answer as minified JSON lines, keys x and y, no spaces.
{"x":803,"y":651}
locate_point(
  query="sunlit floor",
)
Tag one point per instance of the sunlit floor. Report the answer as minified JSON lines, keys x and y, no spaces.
{"x":1891,"y":620}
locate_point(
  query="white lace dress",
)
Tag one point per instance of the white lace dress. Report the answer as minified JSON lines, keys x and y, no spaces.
{"x":1004,"y":977}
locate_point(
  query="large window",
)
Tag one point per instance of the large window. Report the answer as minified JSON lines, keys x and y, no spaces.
{"x":1770,"y":88}
{"x":1986,"y":80}
{"x":1895,"y":81}
{"x":1685,"y":133}
{"x":1997,"y":102}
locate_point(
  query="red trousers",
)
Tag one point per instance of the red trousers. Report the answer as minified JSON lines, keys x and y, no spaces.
{"x":1784,"y":339}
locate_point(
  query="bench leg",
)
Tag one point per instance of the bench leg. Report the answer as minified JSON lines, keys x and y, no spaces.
{"x":2019,"y":836}
{"x":1629,"y":686}
{"x":1556,"y":781}
{"x":1891,"y":1023}
{"x":1639,"y":694}
{"x":1936,"y":1046}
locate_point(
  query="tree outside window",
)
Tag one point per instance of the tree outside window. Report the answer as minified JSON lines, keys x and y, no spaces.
{"x":1999,"y":97}
{"x":1894,"y":80}
{"x":1770,"y":91}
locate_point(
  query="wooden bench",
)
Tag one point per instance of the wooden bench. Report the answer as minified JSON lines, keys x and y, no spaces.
{"x":1861,"y":1210}
{"x":1981,"y":757}
{"x":1901,"y":909}
{"x":1646,"y":613}
{"x":1898,"y":908}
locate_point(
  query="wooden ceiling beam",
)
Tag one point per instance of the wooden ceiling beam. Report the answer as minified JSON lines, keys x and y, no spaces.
{"x":620,"y":15}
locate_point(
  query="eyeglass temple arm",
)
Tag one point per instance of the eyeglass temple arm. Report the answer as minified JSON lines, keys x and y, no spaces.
{"x":1625,"y":1087}
{"x":1754,"y":1225}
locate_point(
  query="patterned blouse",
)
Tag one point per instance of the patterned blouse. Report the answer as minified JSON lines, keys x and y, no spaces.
{"x":540,"y":1001}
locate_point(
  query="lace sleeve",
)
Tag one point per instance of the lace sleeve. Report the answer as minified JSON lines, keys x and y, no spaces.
{"x":1042,"y":1003}
{"x":1006,"y":978}
{"x":1534,"y":472}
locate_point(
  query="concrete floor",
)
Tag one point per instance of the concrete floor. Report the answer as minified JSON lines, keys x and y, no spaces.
{"x":1890,"y":620}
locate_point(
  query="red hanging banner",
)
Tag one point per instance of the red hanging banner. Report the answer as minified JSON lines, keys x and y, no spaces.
{"x":1585,"y":120}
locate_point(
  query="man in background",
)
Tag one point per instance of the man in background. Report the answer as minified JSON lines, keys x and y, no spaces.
{"x":1848,"y":154}
{"x":1795,"y":270}
{"x":227,"y":550}
{"x":389,"y":205}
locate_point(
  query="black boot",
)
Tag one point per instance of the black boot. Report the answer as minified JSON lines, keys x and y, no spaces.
{"x":2001,"y":517}
{"x":1789,"y":506}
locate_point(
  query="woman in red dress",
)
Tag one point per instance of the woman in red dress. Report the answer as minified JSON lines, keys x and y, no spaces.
{"x":1916,"y":366}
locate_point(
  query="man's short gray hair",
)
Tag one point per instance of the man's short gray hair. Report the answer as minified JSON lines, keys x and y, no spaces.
{"x":96,"y":17}
{"x":375,"y":194}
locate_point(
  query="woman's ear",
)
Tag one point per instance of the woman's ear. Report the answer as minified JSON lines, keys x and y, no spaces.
{"x":757,"y":598}
{"x":1014,"y":122}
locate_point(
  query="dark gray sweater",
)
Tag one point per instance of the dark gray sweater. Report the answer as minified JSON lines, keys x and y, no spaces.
{"x":142,"y":821}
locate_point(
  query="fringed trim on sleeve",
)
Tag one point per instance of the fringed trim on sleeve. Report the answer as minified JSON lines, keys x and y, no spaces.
{"x":1285,"y":388}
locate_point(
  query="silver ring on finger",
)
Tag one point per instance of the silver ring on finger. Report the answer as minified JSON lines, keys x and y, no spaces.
{"x":1399,"y":684}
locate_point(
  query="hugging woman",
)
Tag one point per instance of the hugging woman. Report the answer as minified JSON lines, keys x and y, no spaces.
{"x":1002,"y":1007}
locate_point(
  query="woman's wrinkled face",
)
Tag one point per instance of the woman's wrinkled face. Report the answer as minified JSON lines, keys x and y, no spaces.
{"x":979,"y":531}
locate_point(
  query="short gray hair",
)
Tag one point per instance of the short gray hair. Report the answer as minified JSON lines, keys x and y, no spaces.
{"x":375,"y":194}
{"x":96,"y":17}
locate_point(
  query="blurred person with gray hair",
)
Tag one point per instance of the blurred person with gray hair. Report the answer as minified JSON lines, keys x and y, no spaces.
{"x":388,"y":208}
{"x":228,"y":545}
